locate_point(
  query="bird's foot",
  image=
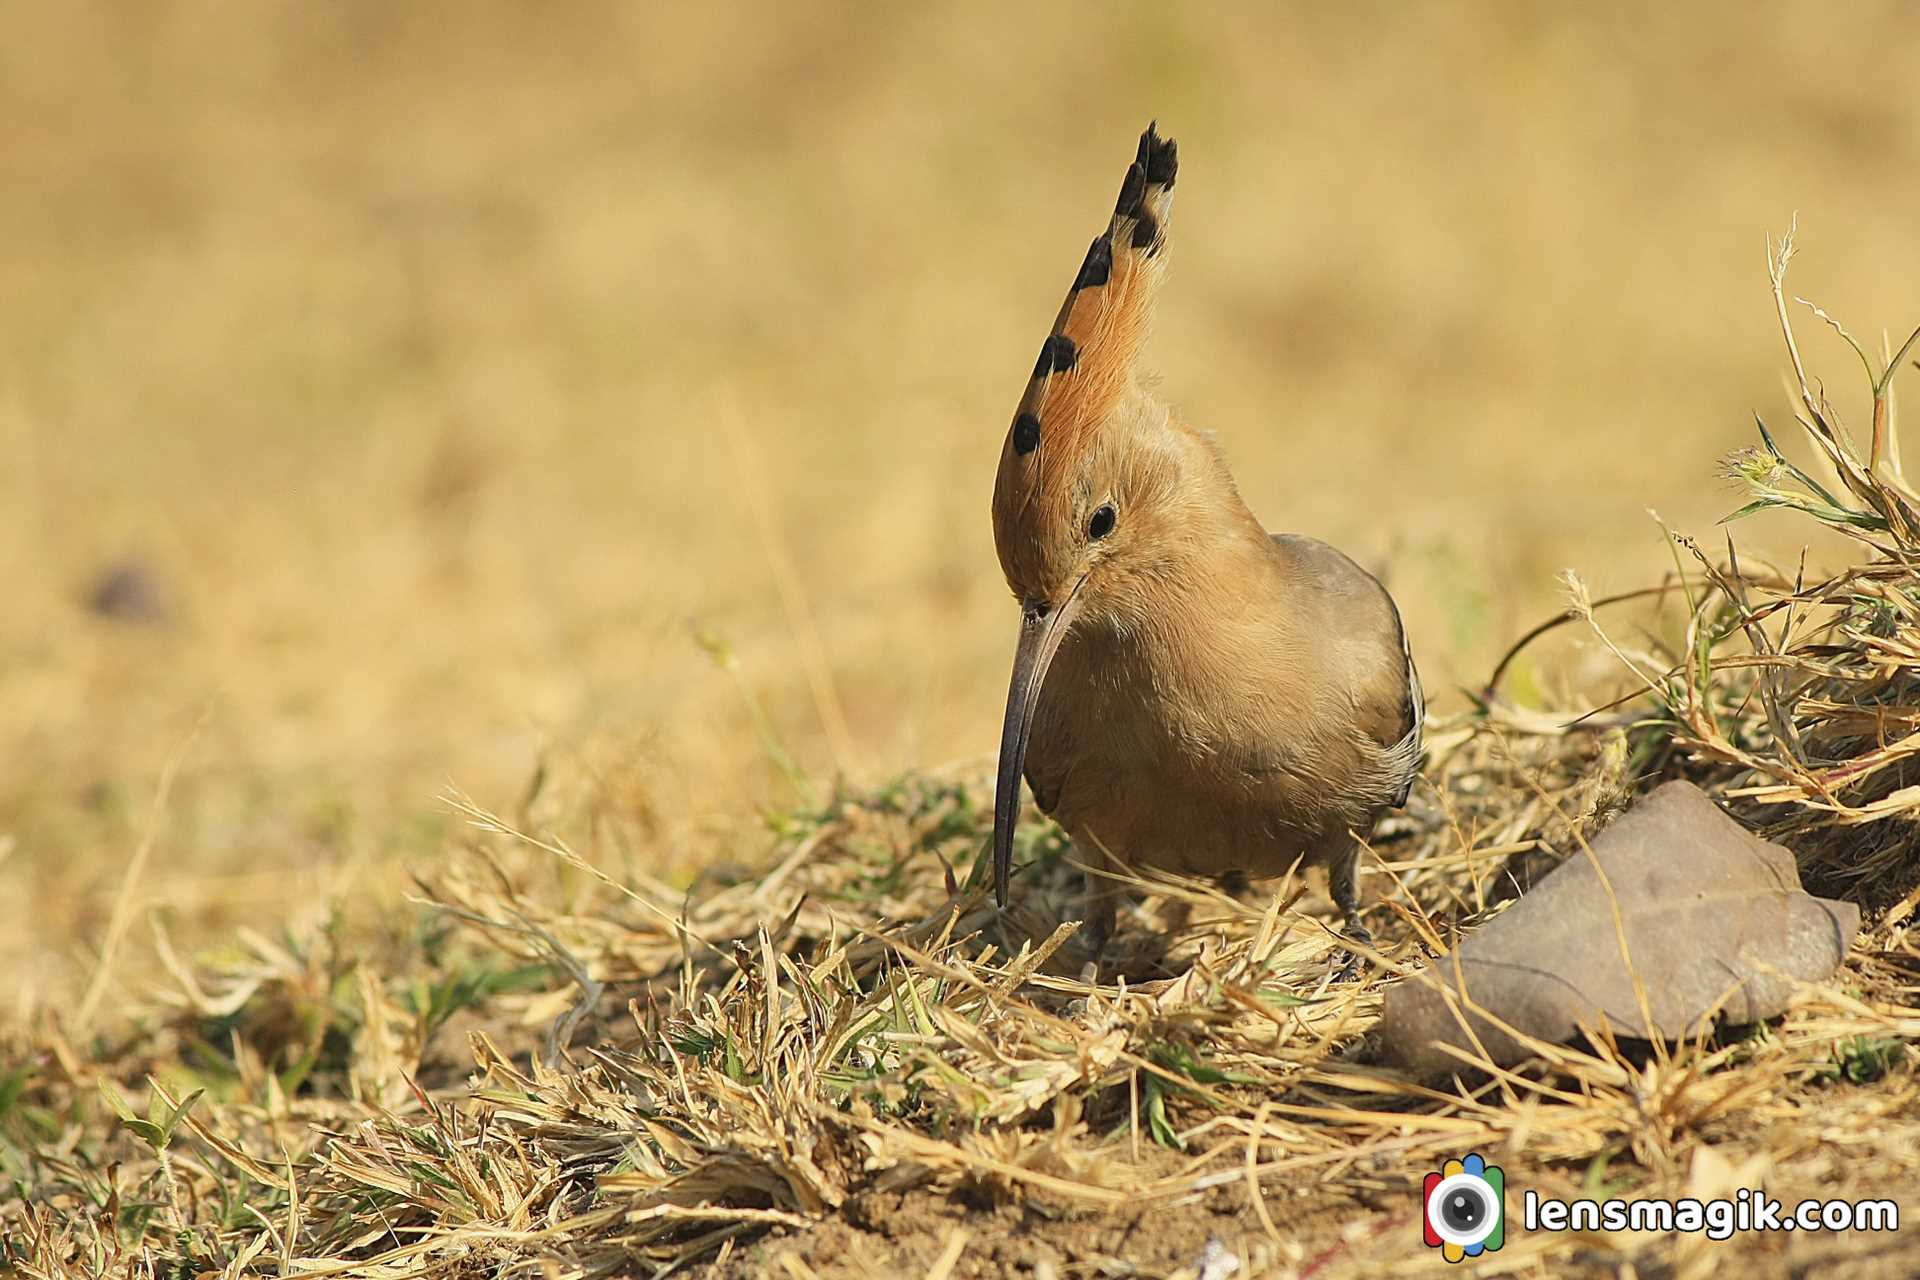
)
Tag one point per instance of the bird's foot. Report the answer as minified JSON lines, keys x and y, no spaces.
{"x":1359,"y":935}
{"x":1079,"y":1006}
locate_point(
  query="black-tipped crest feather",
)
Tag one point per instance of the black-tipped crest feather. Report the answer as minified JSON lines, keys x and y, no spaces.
{"x":1098,"y":267}
{"x":1087,"y":360}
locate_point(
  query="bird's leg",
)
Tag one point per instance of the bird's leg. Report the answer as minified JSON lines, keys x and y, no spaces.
{"x":1102,"y":891}
{"x":1343,"y":887}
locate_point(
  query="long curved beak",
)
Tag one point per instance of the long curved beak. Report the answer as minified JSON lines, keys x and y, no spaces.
{"x":1042,"y":627}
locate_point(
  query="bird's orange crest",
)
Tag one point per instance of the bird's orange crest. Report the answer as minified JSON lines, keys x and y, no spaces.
{"x":1086,"y":371}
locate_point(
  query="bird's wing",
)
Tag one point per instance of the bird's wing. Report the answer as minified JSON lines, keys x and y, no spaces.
{"x":1350,"y":597}
{"x":1405,"y":754}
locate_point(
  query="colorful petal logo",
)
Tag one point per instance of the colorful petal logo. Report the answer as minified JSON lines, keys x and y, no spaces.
{"x":1464,"y":1209}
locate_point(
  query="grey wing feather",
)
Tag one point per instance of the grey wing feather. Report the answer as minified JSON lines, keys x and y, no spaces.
{"x":1405,"y":754}
{"x":1403,"y":757}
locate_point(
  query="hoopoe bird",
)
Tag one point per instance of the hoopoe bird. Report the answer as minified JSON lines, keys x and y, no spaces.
{"x":1189,"y":692}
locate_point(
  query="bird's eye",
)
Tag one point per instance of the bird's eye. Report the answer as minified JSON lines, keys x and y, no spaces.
{"x":1102,"y":523}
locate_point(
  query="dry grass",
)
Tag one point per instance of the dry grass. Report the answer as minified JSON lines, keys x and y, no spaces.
{"x":663,"y":1081}
{"x":603,"y":460}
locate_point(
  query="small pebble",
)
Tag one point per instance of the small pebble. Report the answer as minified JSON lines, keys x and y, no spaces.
{"x":128,"y":591}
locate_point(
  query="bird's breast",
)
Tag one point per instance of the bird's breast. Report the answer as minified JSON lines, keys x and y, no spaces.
{"x":1222,"y":773}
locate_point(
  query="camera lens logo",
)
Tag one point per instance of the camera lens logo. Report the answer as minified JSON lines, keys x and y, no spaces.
{"x":1465,"y":1209}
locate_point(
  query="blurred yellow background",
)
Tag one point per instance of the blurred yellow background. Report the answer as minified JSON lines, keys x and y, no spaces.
{"x":447,"y":371}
